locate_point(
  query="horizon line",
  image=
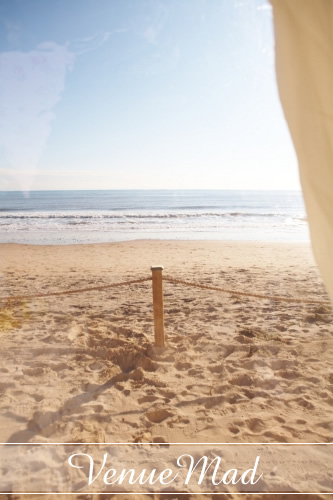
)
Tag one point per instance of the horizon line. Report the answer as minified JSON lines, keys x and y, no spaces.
{"x":148,"y":189}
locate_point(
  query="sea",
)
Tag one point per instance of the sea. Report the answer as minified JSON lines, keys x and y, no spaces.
{"x":69,"y":217}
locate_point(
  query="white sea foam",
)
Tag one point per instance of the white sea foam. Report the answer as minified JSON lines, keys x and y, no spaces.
{"x":115,"y":216}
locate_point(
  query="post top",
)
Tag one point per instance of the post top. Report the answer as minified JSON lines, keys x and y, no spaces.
{"x":157,"y":268}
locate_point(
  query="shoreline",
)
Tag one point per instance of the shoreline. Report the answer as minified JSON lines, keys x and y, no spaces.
{"x":207,"y":255}
{"x":156,"y":240}
{"x":102,"y":240}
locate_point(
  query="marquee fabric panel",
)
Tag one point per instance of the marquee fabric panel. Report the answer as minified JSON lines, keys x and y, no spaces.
{"x":304,"y":68}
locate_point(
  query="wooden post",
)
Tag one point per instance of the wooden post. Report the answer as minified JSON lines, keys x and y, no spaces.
{"x":158,"y":305}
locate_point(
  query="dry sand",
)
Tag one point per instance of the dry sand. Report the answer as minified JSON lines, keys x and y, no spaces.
{"x":82,"y":368}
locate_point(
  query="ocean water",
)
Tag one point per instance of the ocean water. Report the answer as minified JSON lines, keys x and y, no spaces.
{"x":64,"y":217}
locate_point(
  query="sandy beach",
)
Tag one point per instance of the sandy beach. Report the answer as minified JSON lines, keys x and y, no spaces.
{"x":83,"y":368}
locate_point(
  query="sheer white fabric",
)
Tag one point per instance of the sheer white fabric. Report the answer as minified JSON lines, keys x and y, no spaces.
{"x":304,"y":67}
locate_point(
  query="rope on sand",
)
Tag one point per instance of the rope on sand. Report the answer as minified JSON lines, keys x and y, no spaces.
{"x":246,"y":294}
{"x":17,"y":298}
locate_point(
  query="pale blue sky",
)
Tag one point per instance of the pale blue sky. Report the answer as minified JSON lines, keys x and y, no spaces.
{"x":108,"y":94}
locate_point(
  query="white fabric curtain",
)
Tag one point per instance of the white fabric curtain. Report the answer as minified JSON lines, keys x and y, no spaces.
{"x":304,"y":67}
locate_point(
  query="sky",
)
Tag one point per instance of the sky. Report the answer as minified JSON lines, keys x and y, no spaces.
{"x":141,"y":94}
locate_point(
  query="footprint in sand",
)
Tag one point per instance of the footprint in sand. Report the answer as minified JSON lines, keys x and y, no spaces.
{"x":219,"y":368}
{"x":279,"y":419}
{"x":233,"y":429}
{"x":211,"y":309}
{"x":255,"y":425}
{"x":304,"y":403}
{"x":158,"y":415}
{"x":37,"y":397}
{"x":147,"y":399}
{"x":313,"y":380}
{"x":168,"y":394}
{"x":243,"y":340}
{"x":280,"y":438}
{"x":96,"y":366}
{"x":221,"y":389}
{"x":161,"y":440}
{"x":231,"y":369}
{"x":242,"y":380}
{"x":34,"y":372}
{"x":194,"y":371}
{"x":183,"y":366}
{"x":97,"y":408}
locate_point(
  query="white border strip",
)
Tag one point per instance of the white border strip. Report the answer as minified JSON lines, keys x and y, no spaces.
{"x":169,"y":492}
{"x":170,"y":444}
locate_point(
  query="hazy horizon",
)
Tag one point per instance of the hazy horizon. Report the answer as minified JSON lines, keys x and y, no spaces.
{"x":149,"y":189}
